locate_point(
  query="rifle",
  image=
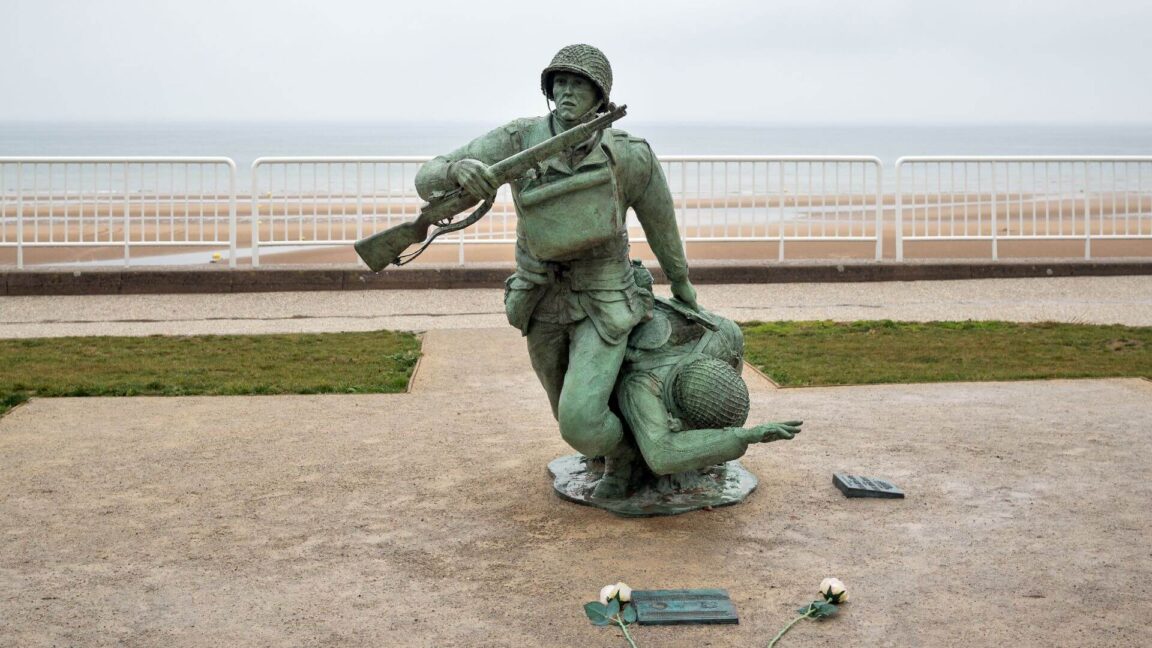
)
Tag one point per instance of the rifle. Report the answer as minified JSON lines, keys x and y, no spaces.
{"x":385,"y":248}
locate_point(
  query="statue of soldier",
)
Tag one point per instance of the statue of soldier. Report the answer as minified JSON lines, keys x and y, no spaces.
{"x":573,"y":294}
{"x":682,"y":398}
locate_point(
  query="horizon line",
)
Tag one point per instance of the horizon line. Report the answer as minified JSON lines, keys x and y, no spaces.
{"x":652,"y":122}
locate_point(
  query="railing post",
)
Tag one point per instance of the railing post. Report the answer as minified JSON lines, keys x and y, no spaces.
{"x":19,"y":215}
{"x":127,"y":221}
{"x":1088,"y":211}
{"x":359,"y":200}
{"x":254,"y":190}
{"x":995,"y":218}
{"x":879,"y":208}
{"x":780,"y":232}
{"x":360,"y":205}
{"x":232,"y":226}
{"x":899,"y":206}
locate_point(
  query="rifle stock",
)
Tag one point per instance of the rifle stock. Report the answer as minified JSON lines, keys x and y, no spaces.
{"x":384,"y":248}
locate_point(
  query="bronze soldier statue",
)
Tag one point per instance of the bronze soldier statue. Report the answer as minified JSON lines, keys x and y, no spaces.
{"x":574,"y":294}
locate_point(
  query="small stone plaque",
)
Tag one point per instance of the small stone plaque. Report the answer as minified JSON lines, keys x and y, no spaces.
{"x":683,"y":607}
{"x":858,"y":486}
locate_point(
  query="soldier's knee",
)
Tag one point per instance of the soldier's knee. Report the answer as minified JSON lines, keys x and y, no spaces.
{"x":593,"y":431}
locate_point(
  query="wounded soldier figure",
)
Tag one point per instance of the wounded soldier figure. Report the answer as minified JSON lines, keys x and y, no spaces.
{"x":681,"y":396}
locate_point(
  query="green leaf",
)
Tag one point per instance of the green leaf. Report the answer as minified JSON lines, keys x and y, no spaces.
{"x":596,"y":613}
{"x":629,"y":613}
{"x":806,"y":609}
{"x":613,"y":608}
{"x":824,"y":610}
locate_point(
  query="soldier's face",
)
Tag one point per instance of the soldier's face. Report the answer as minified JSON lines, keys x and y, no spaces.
{"x":574,"y":95}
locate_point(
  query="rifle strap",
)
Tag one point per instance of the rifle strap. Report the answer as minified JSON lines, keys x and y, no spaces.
{"x":405,"y":259}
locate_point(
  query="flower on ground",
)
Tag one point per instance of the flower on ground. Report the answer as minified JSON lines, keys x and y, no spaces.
{"x":833,"y":590}
{"x":607,"y":593}
{"x":619,"y":591}
{"x":614,"y":607}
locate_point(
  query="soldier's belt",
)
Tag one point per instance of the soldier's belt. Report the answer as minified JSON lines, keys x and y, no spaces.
{"x":591,"y":274}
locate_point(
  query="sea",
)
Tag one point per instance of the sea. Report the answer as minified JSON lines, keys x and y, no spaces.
{"x":245,"y":142}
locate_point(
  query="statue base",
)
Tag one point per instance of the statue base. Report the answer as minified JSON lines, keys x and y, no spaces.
{"x":721,"y":485}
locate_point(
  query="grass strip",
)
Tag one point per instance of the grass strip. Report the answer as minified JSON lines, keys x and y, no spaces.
{"x":328,"y":363}
{"x":793,"y":353}
{"x":799,"y":354}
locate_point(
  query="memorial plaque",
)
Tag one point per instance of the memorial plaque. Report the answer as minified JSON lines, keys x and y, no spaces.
{"x":683,"y":607}
{"x":858,"y":486}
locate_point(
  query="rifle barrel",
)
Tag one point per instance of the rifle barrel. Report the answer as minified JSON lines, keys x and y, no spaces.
{"x":512,"y":167}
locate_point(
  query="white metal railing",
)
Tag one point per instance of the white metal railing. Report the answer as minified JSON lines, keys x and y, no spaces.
{"x":778,"y":198}
{"x":117,"y":202}
{"x":336,"y":200}
{"x":1033,"y":198}
{"x":127,"y":203}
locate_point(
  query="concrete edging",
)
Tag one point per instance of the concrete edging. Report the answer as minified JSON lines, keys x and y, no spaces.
{"x":280,"y":279}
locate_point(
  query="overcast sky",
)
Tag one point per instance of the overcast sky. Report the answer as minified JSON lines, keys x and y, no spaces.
{"x":893,"y":61}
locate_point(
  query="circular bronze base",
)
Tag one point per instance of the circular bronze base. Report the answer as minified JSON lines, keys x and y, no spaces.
{"x":721,"y":485}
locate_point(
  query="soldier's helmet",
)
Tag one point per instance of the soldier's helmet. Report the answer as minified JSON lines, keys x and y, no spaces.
{"x":709,"y":393}
{"x":584,"y":60}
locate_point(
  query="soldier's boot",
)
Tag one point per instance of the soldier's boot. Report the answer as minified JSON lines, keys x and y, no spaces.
{"x":619,"y":468}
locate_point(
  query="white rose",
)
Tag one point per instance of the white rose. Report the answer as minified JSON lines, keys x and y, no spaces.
{"x":607,"y":593}
{"x":833,"y":590}
{"x":623,"y":592}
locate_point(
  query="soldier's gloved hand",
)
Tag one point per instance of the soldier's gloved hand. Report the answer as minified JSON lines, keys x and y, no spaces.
{"x":475,"y":177}
{"x":771,"y":432}
{"x":684,"y":291}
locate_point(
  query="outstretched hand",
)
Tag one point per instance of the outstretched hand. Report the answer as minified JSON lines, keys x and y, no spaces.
{"x":475,"y":177}
{"x":768,"y":432}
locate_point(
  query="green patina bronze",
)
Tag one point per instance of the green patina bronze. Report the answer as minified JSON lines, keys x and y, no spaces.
{"x":575,"y":477}
{"x":644,"y":404}
{"x":682,"y":607}
{"x":683,"y":404}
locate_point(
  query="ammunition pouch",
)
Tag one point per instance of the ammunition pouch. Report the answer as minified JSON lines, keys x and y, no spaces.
{"x":561,"y":219}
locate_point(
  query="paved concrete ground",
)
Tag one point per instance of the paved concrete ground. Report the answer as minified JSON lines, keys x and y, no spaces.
{"x":1120,"y":300}
{"x":427,"y":519}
